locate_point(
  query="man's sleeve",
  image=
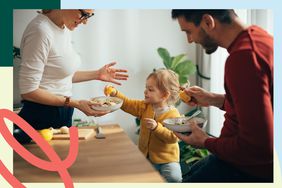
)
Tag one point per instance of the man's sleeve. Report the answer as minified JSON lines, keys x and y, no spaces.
{"x":249,"y":86}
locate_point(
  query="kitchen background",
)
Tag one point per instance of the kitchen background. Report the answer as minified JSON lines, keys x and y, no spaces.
{"x":131,"y":38}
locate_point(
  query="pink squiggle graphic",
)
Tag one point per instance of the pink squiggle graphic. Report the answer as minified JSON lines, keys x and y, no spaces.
{"x":55,"y":164}
{"x":9,"y":177}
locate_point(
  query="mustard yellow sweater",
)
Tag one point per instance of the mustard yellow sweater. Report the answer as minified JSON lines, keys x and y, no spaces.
{"x":160,"y":145}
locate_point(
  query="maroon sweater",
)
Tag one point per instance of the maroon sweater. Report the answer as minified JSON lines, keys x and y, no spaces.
{"x":246,"y":139}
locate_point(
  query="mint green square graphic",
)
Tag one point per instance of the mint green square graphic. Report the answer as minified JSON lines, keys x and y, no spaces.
{"x":6,"y":16}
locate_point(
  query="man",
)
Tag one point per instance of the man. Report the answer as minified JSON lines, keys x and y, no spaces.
{"x":244,"y":150}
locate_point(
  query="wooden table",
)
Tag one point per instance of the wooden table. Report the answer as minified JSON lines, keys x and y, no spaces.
{"x":113,"y":159}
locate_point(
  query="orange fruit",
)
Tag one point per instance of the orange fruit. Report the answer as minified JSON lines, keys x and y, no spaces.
{"x":47,"y":134}
{"x":184,"y":97}
{"x":109,"y":90}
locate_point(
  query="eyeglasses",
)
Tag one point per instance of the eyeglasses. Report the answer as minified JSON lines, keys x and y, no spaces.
{"x":85,"y":15}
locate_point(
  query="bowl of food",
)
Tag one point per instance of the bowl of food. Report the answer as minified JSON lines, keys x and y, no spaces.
{"x":182,"y":124}
{"x":105,"y":103}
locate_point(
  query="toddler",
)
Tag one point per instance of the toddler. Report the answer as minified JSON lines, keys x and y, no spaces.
{"x":156,"y":142}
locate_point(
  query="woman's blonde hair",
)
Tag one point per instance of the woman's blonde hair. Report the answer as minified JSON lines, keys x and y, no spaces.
{"x":167,"y":82}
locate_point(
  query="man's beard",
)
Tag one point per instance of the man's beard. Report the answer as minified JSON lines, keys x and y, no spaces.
{"x":207,"y":42}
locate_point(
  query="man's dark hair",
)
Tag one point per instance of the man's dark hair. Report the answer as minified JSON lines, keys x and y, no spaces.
{"x":195,"y":15}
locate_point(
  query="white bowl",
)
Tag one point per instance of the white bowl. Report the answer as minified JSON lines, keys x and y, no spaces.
{"x":105,"y":103}
{"x":182,"y":124}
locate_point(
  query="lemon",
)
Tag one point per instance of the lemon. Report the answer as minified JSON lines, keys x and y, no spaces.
{"x":184,"y":97}
{"x":47,"y":134}
{"x":109,"y":90}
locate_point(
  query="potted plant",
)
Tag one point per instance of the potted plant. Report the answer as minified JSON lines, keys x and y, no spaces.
{"x":179,"y":64}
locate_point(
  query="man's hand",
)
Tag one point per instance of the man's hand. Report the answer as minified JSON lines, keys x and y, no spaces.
{"x":197,"y":137}
{"x":150,"y":123}
{"x":201,"y":97}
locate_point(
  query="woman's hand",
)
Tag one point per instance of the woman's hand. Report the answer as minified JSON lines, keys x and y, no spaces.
{"x":85,"y":107}
{"x":150,"y":123}
{"x":109,"y":74}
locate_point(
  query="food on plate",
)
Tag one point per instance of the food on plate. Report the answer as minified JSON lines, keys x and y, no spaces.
{"x":184,"y":97}
{"x":106,"y":103}
{"x":47,"y":134}
{"x":182,"y":124}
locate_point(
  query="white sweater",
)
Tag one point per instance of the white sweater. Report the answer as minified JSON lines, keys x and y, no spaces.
{"x":48,"y":59}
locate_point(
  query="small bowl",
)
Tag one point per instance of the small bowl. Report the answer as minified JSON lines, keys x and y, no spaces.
{"x":182,"y":124}
{"x":105,"y":103}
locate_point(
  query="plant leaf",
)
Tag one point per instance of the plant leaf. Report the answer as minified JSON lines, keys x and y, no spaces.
{"x":176,"y":60}
{"x":192,"y":159}
{"x":185,"y":67}
{"x":183,"y":79}
{"x":164,"y":54}
{"x":202,"y":153}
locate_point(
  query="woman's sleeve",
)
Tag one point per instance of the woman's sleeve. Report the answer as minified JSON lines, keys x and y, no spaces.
{"x":35,"y":48}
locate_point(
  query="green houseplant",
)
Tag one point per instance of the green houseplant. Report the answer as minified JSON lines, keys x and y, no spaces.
{"x":179,"y":64}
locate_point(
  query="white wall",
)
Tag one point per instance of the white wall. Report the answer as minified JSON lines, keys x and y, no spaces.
{"x":130,"y":37}
{"x":21,"y":18}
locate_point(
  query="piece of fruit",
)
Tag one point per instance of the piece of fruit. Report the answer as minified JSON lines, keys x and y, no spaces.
{"x":47,"y":134}
{"x":184,"y":97}
{"x":109,"y":90}
{"x":55,"y":131}
{"x":64,"y":130}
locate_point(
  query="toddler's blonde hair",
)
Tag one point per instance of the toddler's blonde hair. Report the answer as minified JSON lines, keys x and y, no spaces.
{"x":167,"y":82}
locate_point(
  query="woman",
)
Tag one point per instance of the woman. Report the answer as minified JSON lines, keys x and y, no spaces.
{"x":48,"y":69}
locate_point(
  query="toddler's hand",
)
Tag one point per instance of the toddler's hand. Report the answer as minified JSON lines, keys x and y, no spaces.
{"x":150,"y":123}
{"x":110,"y":90}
